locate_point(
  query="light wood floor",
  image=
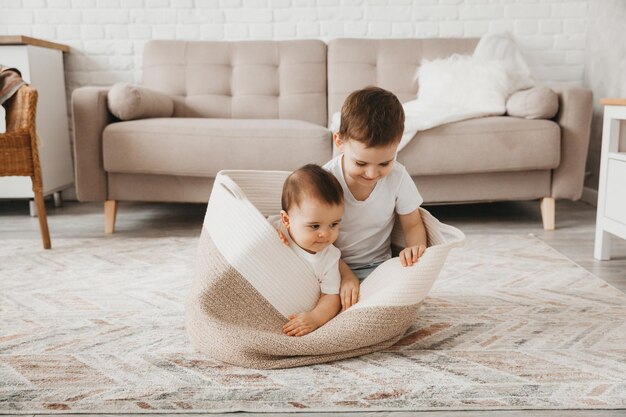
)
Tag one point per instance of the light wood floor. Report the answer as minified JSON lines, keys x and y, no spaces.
{"x":574,"y":236}
{"x":575,"y":222}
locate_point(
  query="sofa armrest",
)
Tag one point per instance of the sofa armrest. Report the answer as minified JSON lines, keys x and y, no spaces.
{"x":90,"y":116}
{"x":574,"y":119}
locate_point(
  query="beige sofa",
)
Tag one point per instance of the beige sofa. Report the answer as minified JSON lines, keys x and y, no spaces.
{"x":266,"y":105}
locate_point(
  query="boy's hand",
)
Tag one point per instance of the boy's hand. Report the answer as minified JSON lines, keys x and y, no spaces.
{"x":300,"y":324}
{"x":282,"y":237}
{"x":349,"y":291}
{"x":411,"y":254}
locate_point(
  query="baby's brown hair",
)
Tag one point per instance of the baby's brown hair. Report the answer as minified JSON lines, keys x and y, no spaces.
{"x":313,"y":181}
{"x":372,"y":116}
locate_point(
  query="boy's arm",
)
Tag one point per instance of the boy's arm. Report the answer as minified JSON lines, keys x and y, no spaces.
{"x":415,"y":236}
{"x":349,"y":288}
{"x":300,"y":324}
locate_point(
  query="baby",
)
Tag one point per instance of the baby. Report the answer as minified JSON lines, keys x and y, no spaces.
{"x":312,"y":206}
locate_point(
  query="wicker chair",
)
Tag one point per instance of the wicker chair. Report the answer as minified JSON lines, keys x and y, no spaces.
{"x":19,"y":155}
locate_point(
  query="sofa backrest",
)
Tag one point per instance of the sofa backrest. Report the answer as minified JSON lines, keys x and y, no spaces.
{"x":240,"y":80}
{"x":387,"y":63}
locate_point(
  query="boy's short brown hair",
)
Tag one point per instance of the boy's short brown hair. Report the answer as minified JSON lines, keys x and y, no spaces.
{"x":313,"y":181}
{"x":372,"y":116}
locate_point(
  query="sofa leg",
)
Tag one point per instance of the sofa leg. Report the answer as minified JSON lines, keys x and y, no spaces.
{"x":547,"y":213}
{"x":110,"y":212}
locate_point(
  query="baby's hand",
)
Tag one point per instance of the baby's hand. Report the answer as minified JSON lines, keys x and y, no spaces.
{"x":282,"y":237}
{"x":411,"y":254}
{"x":300,"y":324}
{"x":349,"y":291}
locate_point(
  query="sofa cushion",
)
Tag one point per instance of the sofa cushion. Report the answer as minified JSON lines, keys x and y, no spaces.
{"x":202,"y":147}
{"x":240,"y":79}
{"x":533,"y":103}
{"x":128,"y":101}
{"x":489,"y":144}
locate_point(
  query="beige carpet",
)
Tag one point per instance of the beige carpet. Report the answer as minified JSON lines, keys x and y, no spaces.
{"x":97,"y":325}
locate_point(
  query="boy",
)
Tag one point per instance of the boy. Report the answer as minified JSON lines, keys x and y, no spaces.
{"x":375,"y":188}
{"x":312,"y":206}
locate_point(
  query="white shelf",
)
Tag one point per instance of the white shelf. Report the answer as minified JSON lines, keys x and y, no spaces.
{"x":41,"y":65}
{"x":619,"y":156}
{"x":611,"y":216}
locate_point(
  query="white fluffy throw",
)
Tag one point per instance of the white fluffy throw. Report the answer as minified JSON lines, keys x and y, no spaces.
{"x":463,"y":87}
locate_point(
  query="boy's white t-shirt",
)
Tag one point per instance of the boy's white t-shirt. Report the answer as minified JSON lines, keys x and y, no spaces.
{"x":325,"y":264}
{"x":365,"y":232}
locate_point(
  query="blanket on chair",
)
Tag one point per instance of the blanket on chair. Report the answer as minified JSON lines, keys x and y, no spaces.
{"x":10,"y":82}
{"x":248,"y":282}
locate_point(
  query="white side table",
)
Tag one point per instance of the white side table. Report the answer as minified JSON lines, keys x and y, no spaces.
{"x":611,"y":217}
{"x":41,"y":65}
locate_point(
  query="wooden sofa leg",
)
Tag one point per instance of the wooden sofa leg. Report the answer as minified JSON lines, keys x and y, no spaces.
{"x":110,"y":212}
{"x":547,"y":213}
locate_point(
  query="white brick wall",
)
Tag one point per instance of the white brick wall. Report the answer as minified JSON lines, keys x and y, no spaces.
{"x":107,"y":36}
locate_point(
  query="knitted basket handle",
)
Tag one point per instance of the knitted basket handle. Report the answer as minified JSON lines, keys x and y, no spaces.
{"x":459,"y":236}
{"x":231,"y":187}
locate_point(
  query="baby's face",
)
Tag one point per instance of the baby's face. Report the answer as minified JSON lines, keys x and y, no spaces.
{"x":365,"y":166}
{"x":313,"y":225}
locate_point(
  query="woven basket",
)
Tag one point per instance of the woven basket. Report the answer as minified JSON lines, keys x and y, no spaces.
{"x":248,"y":282}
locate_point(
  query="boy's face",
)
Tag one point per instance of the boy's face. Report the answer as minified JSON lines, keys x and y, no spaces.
{"x":365,"y":166}
{"x":313,"y":225}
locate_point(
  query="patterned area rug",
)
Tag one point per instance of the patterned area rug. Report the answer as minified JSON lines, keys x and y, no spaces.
{"x":96,"y":325}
